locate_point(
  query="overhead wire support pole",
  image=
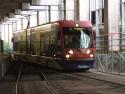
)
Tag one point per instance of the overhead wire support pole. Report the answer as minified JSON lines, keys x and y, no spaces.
{"x":76,"y":10}
{"x":49,"y":11}
{"x":8,"y":39}
{"x":28,"y":24}
{"x":64,"y":1}
{"x":38,"y":18}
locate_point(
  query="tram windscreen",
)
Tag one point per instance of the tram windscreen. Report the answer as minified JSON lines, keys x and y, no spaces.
{"x":77,"y":37}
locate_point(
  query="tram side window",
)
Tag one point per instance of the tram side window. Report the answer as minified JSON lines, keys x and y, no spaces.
{"x":46,"y":44}
{"x":42,"y":44}
{"x":51,"y":44}
{"x":15,"y":43}
{"x":28,"y":44}
{"x":56,"y":45}
{"x":32,"y":43}
{"x":50,"y":47}
{"x":18,"y":44}
{"x":21,"y":43}
{"x":56,"y":36}
{"x":58,"y":40}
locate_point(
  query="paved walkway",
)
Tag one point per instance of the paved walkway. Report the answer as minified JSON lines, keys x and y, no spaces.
{"x":108,"y":77}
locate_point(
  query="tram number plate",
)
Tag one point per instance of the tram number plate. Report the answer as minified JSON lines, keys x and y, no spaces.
{"x":82,"y":66}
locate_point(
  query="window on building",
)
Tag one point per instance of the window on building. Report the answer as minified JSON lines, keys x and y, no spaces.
{"x":93,"y":17}
{"x":102,"y":15}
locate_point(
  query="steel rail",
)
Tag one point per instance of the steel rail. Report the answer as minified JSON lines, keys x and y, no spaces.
{"x":50,"y":87}
{"x":18,"y":78}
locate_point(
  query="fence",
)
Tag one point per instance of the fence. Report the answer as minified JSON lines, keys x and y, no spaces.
{"x":110,"y":53}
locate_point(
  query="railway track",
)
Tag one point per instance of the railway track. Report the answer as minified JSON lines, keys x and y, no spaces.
{"x":50,"y":87}
{"x":27,"y":81}
{"x":37,"y":80}
{"x":54,"y":86}
{"x":71,"y":83}
{"x":18,"y":79}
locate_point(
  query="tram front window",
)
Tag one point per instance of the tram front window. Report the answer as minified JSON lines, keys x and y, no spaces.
{"x":77,"y":37}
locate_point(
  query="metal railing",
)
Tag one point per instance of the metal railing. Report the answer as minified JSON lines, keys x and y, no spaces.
{"x":110,"y":53}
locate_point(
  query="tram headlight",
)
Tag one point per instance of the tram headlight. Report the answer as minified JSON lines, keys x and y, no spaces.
{"x":91,"y":55}
{"x":67,"y":56}
{"x":77,"y":25}
{"x":71,"y":52}
{"x":88,"y":51}
{"x":54,"y":55}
